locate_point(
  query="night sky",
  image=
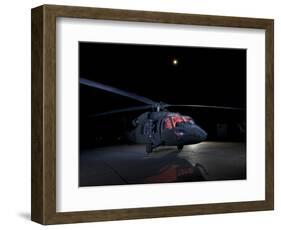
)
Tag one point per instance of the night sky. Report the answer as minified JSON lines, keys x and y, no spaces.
{"x":171,"y":74}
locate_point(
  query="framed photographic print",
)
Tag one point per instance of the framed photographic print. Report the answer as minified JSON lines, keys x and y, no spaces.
{"x":140,"y":114}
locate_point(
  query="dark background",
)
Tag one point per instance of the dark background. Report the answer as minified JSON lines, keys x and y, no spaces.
{"x":204,"y":76}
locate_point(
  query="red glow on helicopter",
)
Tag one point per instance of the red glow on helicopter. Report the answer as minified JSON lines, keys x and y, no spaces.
{"x":168,"y":123}
{"x":173,"y":120}
{"x":176,"y":119}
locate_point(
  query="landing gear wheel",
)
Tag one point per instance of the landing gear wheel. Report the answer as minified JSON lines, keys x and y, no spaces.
{"x":149,"y":148}
{"x":180,"y":147}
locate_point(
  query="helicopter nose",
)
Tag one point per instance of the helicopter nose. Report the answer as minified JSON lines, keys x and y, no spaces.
{"x":200,"y":133}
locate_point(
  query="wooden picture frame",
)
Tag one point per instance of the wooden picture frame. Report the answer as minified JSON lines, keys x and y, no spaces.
{"x":43,"y":208}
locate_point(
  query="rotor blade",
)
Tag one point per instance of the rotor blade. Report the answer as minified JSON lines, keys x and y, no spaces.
{"x":206,"y":106}
{"x":116,"y":91}
{"x":123,"y":110}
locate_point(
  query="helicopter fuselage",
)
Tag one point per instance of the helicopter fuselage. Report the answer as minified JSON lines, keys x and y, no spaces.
{"x":165,"y":128}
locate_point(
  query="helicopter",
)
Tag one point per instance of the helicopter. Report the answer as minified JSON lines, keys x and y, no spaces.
{"x":157,"y":126}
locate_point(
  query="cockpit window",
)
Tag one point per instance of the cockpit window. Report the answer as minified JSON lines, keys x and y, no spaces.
{"x":176,"y":120}
{"x":188,"y":120}
{"x":168,"y":123}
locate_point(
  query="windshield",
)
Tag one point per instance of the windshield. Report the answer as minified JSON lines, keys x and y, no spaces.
{"x":176,"y":120}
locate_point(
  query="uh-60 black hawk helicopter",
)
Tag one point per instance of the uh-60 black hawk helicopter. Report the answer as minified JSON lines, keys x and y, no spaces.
{"x":158,"y":126}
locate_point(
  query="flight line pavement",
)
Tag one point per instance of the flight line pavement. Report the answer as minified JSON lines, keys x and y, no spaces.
{"x":130,"y":164}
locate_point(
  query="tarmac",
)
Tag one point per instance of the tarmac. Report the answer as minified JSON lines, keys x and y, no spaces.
{"x":130,"y":164}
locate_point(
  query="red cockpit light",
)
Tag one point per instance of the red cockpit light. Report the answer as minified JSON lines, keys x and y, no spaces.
{"x":168,"y":123}
{"x":177,"y":119}
{"x":174,"y":120}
